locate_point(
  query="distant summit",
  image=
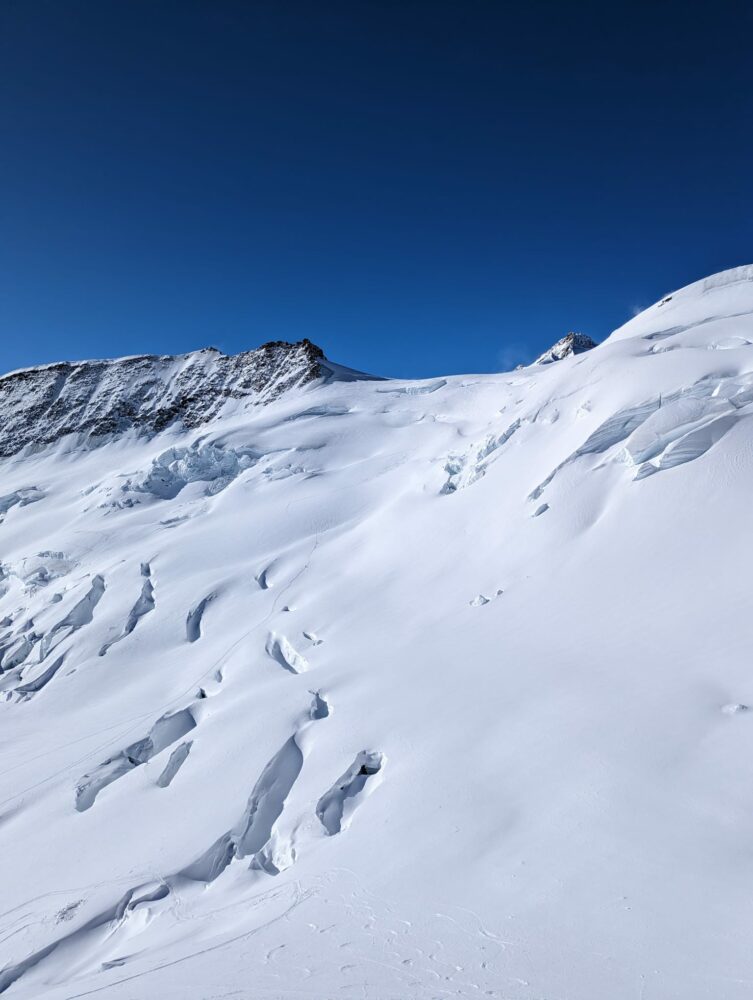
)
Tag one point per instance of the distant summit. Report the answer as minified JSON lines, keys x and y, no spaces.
{"x":573,"y":343}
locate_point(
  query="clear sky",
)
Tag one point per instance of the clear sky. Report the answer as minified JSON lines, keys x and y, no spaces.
{"x":419,"y":187}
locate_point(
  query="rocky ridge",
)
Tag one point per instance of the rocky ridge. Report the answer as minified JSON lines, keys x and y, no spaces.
{"x":573,"y":343}
{"x":96,"y":399}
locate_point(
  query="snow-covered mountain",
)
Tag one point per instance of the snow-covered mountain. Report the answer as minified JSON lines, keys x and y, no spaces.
{"x":94,"y":399}
{"x":324,"y":686}
{"x":571,"y":343}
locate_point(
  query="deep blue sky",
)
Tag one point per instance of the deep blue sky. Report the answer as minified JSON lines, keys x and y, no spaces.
{"x":420,"y":187}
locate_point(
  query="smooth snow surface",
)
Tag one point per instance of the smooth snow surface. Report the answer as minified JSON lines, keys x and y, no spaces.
{"x":394,"y":690}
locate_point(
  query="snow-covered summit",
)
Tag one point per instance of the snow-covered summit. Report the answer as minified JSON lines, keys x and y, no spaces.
{"x":292,"y":705}
{"x":571,"y":343}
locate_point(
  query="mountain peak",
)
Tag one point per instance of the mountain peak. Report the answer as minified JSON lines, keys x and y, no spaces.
{"x":147,"y":392}
{"x":572,"y":343}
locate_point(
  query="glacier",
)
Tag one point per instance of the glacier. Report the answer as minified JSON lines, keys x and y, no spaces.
{"x":315,"y":684}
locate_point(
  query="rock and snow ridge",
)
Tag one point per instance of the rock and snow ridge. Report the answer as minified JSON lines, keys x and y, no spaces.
{"x":291,"y":703}
{"x":95,"y":399}
{"x":571,"y":343}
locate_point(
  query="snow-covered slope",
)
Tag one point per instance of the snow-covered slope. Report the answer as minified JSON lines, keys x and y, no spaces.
{"x":389,"y":689}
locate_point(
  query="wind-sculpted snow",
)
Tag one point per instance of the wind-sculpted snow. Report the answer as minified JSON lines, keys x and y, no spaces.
{"x":617,"y":428}
{"x":335,"y":807}
{"x":652,"y":434}
{"x":252,"y":836}
{"x":383,"y":688}
{"x":103,"y":925}
{"x":177,"y":759}
{"x":81,"y":614}
{"x":163,"y":733}
{"x":688,"y":445}
{"x":144,"y":604}
{"x":195,"y":615}
{"x":17,"y":651}
{"x":41,"y":680}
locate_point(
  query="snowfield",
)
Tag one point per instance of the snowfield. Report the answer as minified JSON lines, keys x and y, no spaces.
{"x":386,"y":690}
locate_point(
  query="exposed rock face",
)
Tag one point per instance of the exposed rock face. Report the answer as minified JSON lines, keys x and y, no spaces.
{"x":98,"y":398}
{"x":573,"y":343}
